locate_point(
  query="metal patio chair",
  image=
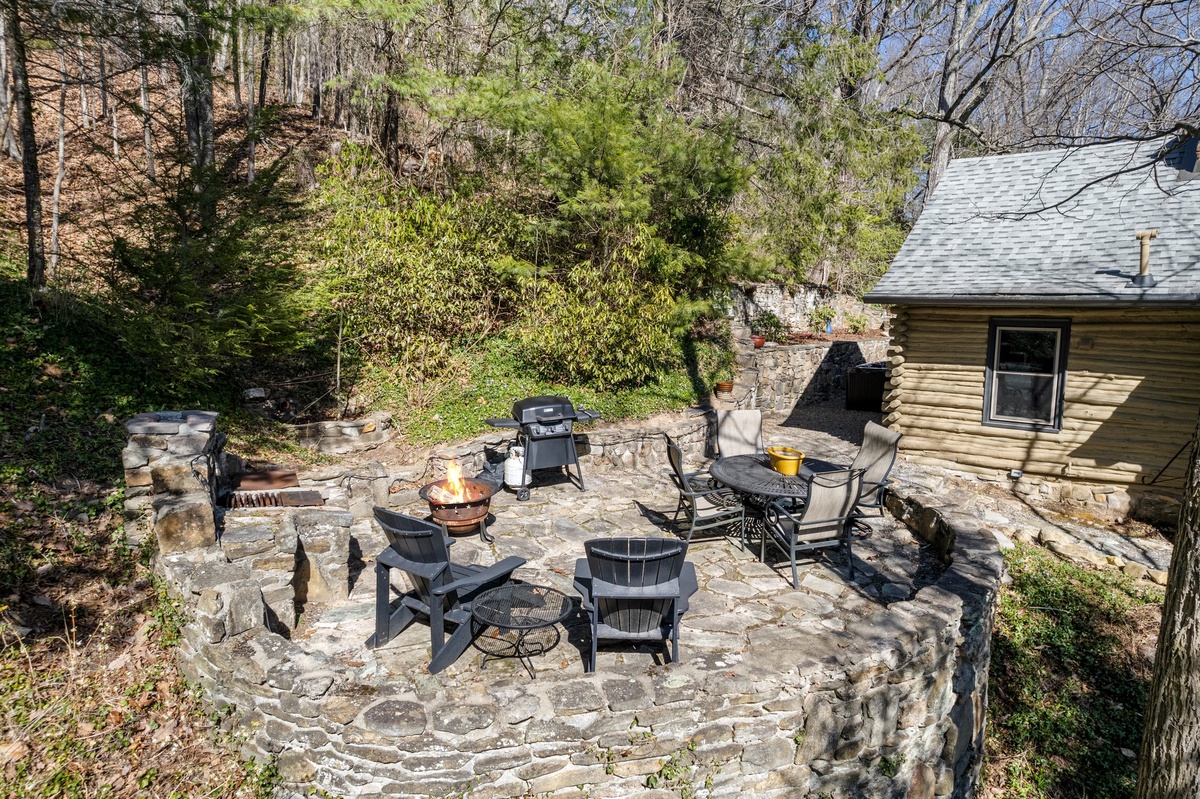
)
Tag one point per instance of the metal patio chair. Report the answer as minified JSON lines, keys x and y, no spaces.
{"x":739,"y":433}
{"x":707,"y":505}
{"x":875,"y":458}
{"x":442,"y":591}
{"x":635,"y":589}
{"x":824,"y":521}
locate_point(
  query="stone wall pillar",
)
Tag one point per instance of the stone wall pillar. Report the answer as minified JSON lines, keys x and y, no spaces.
{"x":168,"y":477}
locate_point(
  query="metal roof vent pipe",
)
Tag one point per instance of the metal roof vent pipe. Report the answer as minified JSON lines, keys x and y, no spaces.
{"x":1143,"y":279}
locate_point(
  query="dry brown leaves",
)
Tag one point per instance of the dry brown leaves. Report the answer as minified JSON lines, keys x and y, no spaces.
{"x":94,"y":705}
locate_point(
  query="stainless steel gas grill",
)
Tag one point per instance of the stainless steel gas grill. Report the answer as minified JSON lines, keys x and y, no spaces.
{"x":545,"y":428}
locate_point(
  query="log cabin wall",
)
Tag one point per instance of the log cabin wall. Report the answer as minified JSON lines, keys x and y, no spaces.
{"x":1130,"y":402}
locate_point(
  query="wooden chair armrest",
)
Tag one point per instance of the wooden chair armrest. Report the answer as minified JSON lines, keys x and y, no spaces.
{"x":501,"y":569}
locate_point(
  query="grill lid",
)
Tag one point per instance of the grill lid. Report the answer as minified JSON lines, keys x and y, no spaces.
{"x":543,"y":410}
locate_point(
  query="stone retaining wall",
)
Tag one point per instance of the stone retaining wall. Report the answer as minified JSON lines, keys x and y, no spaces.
{"x":635,"y":445}
{"x":891,"y":706}
{"x":800,"y":374}
{"x":795,"y":305}
{"x":350,"y":435}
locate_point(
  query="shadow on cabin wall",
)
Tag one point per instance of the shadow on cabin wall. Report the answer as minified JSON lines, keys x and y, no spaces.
{"x":1150,"y":430}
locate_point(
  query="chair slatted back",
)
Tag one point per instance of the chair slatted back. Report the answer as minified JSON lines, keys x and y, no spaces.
{"x":878,"y":452}
{"x":422,"y":545}
{"x":634,"y":563}
{"x":831,"y":498}
{"x":739,"y":433}
{"x":675,"y":458}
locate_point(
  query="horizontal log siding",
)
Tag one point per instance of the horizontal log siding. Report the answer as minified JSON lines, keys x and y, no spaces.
{"x":1131,"y":399}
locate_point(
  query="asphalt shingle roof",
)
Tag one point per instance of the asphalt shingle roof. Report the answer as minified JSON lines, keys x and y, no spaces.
{"x":1054,"y":227}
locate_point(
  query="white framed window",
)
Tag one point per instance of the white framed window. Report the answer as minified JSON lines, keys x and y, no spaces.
{"x":1026,"y":373}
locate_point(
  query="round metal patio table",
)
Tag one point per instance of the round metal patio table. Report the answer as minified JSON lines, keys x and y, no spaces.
{"x":753,"y":475}
{"x":519,"y":608}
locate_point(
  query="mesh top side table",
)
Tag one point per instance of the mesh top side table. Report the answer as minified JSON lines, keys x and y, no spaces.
{"x":516,"y":610}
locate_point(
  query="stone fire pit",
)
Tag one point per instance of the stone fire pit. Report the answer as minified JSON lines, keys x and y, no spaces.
{"x":462,"y":512}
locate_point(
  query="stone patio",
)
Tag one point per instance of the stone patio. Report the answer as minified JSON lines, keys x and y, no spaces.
{"x":741,"y":600}
{"x":874,"y":686}
{"x":867,"y":687}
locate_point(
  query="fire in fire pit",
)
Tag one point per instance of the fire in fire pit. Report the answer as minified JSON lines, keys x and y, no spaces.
{"x":459,"y":503}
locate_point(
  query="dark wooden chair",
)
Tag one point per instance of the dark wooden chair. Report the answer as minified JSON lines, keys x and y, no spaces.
{"x":706,"y":506}
{"x":442,"y":591}
{"x":824,"y":521}
{"x":875,"y":458}
{"x":635,"y":589}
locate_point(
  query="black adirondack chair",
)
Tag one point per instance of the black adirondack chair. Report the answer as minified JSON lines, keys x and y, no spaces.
{"x":635,"y":589}
{"x":442,"y":592}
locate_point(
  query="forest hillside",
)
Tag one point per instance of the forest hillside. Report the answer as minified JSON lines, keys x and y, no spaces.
{"x":381,"y":204}
{"x":433,"y":207}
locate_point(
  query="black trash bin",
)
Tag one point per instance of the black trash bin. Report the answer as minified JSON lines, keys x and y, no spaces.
{"x":864,"y":386}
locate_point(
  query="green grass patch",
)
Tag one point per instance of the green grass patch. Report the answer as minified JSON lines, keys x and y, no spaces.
{"x":1068,"y":685}
{"x":65,"y":389}
{"x":485,"y":382}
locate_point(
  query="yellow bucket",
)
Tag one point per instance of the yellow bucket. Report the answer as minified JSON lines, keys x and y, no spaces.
{"x":785,"y":460}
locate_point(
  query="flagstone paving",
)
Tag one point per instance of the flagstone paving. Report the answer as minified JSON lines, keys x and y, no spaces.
{"x":741,"y":603}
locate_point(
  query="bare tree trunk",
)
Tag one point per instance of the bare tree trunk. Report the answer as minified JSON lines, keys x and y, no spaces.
{"x":939,"y":157}
{"x":302,"y":52}
{"x":104,"y":110}
{"x":294,"y":68}
{"x":223,"y":54}
{"x":8,"y":111}
{"x":264,"y":68}
{"x":1169,"y":767}
{"x":315,"y":64}
{"x":316,"y":98}
{"x":9,"y":147}
{"x":147,"y":133}
{"x":62,"y":166}
{"x":196,"y":70}
{"x":22,"y":101}
{"x":251,"y":143}
{"x":288,"y":62}
{"x":947,"y":94}
{"x":194,"y":55}
{"x":85,"y":114}
{"x":235,"y":55}
{"x":338,"y":93}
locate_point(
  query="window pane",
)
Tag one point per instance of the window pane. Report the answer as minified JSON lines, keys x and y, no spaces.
{"x":1025,"y":397}
{"x":1026,"y":350}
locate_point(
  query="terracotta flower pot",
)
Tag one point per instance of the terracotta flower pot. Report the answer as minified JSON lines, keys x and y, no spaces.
{"x":757,"y":341}
{"x":723,"y":387}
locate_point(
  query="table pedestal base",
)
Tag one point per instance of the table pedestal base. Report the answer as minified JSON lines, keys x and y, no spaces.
{"x":515,"y":649}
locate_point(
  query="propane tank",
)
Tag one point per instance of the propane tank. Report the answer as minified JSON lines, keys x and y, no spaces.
{"x":514,"y":468}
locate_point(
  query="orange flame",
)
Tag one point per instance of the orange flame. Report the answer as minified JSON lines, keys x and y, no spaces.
{"x":454,"y":481}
